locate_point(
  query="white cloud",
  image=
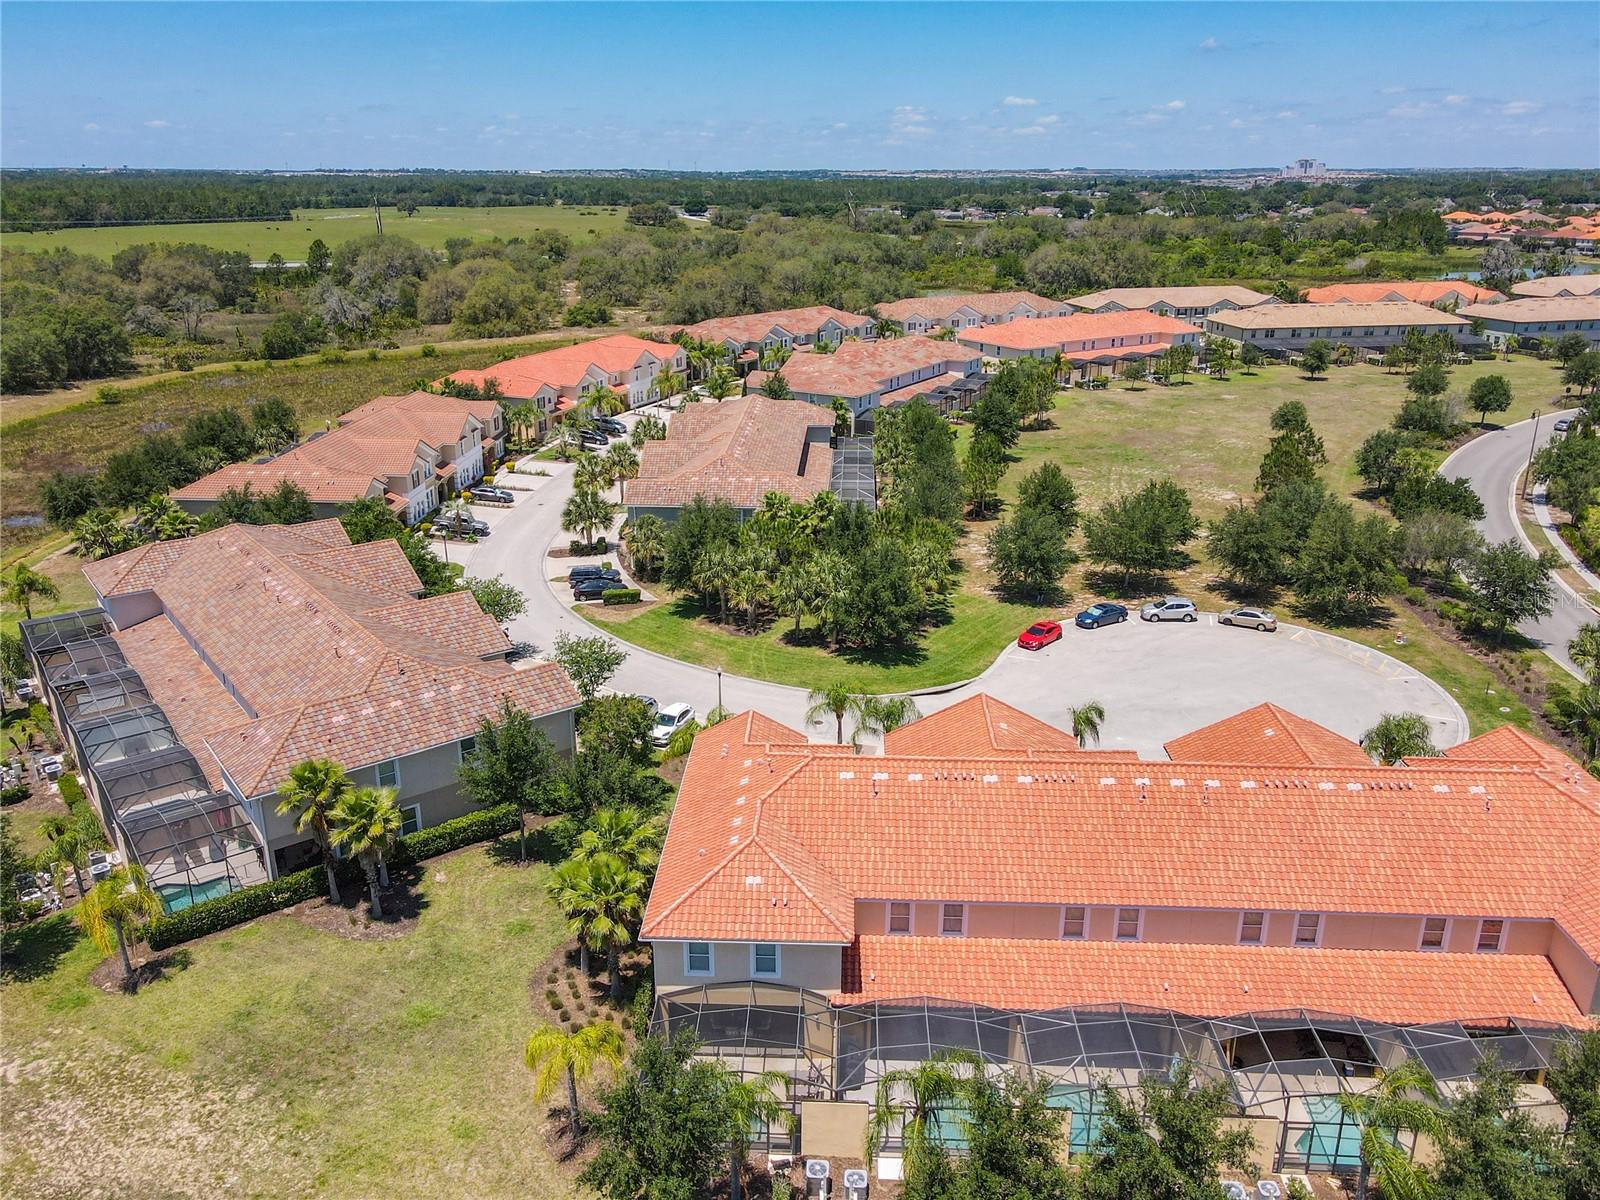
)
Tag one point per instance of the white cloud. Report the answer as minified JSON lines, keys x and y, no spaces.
{"x":841,"y":125}
{"x":1394,"y":89}
{"x":91,"y":127}
{"x":1020,"y":100}
{"x":157,"y":124}
{"x":1211,"y":43}
{"x":1457,"y":99}
{"x":1412,"y":110}
{"x":1236,"y":123}
{"x":1288,"y":114}
{"x":1176,"y":105}
{"x":910,"y":120}
{"x":1030,"y":130}
{"x":1520,"y":108}
{"x":1052,"y":119}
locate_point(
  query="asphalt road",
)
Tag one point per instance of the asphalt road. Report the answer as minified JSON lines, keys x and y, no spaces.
{"x":1493,"y":463}
{"x":1155,"y":681}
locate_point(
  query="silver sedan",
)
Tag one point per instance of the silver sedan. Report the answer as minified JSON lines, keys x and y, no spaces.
{"x":1250,"y":618}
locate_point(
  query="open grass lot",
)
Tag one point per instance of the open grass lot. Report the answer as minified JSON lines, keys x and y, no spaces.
{"x":429,"y":227}
{"x":278,"y":1059}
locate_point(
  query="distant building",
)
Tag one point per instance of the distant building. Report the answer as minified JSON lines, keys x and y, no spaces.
{"x":880,"y":374}
{"x":1436,"y":292}
{"x":785,"y":329}
{"x":1093,"y":343}
{"x":1558,"y":285}
{"x":921,"y":314}
{"x":552,"y":381}
{"x":1287,"y":327}
{"x":1305,"y":168}
{"x":1538,"y":317}
{"x":1185,"y":303}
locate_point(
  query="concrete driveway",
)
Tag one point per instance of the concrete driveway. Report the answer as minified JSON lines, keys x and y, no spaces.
{"x":1156,"y":682}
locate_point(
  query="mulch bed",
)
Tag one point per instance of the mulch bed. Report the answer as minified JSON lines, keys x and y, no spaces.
{"x":352,"y":918}
{"x":148,"y":968}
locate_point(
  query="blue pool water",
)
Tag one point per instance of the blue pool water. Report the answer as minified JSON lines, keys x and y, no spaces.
{"x":1332,"y":1141}
{"x":177,"y":896}
{"x":1086,"y":1121}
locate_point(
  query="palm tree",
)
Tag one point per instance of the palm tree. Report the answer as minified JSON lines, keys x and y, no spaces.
{"x":1584,"y":650}
{"x":601,"y":899}
{"x":1057,"y":361}
{"x":593,"y":473}
{"x":552,"y":1054}
{"x":626,"y":833}
{"x":749,"y":585}
{"x":793,"y":593}
{"x":1511,"y":343}
{"x":69,"y":847}
{"x":646,"y":539}
{"x":668,"y":384}
{"x":1578,"y":716}
{"x":116,"y":911}
{"x":1086,"y":721}
{"x":175,"y":524}
{"x":13,"y":666}
{"x":1404,"y":1099}
{"x":99,"y":533}
{"x":622,"y":462}
{"x":882,"y":715}
{"x":586,"y":514}
{"x":836,"y":701}
{"x":683,"y":739}
{"x":160,"y":518}
{"x":25,"y":585}
{"x":885,"y":328}
{"x":928,"y":1088}
{"x":366,"y":822}
{"x":747,"y":1103}
{"x":1397,"y":736}
{"x":720,"y":384}
{"x":604,"y":400}
{"x":714,"y":572}
{"x":311,"y":792}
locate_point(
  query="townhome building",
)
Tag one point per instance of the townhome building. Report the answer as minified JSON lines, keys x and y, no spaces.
{"x":1440,"y":293}
{"x":1551,"y":286}
{"x":1288,"y":327}
{"x":553,"y":381}
{"x":1268,"y":905}
{"x":884,"y":373}
{"x":212,"y":665}
{"x":410,"y":451}
{"x":1540,"y":317}
{"x":924,"y":314}
{"x":745,"y":337}
{"x":1185,"y":303}
{"x":1092,"y":343}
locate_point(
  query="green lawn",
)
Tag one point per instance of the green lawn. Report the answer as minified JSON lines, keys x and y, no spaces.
{"x":284,"y":1060}
{"x":429,"y":227}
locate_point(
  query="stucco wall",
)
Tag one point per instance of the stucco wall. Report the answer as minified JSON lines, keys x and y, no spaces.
{"x":816,"y":968}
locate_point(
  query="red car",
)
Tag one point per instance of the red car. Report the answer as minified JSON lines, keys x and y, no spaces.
{"x":1039,"y":635}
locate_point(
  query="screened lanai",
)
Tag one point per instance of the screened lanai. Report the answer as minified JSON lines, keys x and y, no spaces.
{"x":1289,"y":1067}
{"x":195,"y":848}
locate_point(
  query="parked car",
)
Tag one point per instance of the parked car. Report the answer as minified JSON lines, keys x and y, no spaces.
{"x":1039,"y":635}
{"x":595,"y":587}
{"x":461,"y":524}
{"x":1173,"y":608}
{"x":1563,"y":424}
{"x":668,"y":721}
{"x":650,"y":703}
{"x":592,"y":571}
{"x":1096,"y":615}
{"x":1250,"y":618}
{"x":611,"y":425}
{"x":593,"y":437}
{"x":491,"y":495}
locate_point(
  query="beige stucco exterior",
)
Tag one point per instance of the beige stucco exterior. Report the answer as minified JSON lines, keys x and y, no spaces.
{"x":816,"y":968}
{"x":833,"y":1128}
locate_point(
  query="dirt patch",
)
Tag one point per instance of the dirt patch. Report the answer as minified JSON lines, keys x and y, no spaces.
{"x":402,"y":903}
{"x":148,"y":968}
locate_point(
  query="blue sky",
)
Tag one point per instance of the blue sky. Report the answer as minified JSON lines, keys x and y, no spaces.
{"x":796,"y":86}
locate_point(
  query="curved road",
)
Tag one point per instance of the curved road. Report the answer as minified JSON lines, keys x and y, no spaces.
{"x":1493,"y":464}
{"x":1155,"y":682}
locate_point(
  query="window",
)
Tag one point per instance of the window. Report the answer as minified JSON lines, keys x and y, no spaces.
{"x":410,"y":819}
{"x":1073,"y":922}
{"x":1308,"y":929}
{"x":466,"y":746}
{"x":1252,"y":927}
{"x":1433,"y":932}
{"x":763,"y":959}
{"x":953,"y":920}
{"x":1490,"y":933}
{"x":1128,"y":922}
{"x":900,"y":917}
{"x":389,"y":773}
{"x":697,"y":958}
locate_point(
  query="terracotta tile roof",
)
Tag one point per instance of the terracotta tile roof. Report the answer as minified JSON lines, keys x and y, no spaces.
{"x":324,"y":485}
{"x":1489,"y":840}
{"x":1559,"y":285}
{"x":1267,"y":735}
{"x":1399,"y":986}
{"x":191,"y":696}
{"x":975,"y":726}
{"x":753,"y":328}
{"x":1418,"y":291}
{"x":1048,"y":333}
{"x":424,"y":402}
{"x":1508,"y":745}
{"x":453,"y":620}
{"x":1460,"y":214}
{"x":912,"y":390}
{"x":1337,"y":316}
{"x":737,"y":450}
{"x":566,"y":366}
{"x":858,"y":369}
{"x":1175,"y":297}
{"x":1539,"y":308}
{"x":985,"y":304}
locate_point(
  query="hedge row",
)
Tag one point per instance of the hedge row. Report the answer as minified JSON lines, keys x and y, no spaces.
{"x":247,"y":904}
{"x":619,"y":596}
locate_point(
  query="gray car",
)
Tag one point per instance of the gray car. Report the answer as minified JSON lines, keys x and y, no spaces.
{"x":1250,"y":618}
{"x":1173,"y":608}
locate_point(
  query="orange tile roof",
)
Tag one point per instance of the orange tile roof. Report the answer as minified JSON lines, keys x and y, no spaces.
{"x":985,"y":304}
{"x":1266,"y":735}
{"x":1045,"y":333}
{"x":1399,"y":986}
{"x":738,"y":451}
{"x":753,"y":328}
{"x":566,"y":366}
{"x":976,"y":726}
{"x":1419,"y":291}
{"x":1506,"y":745}
{"x":1460,"y":214}
{"x":1203,"y":296}
{"x":858,"y":369}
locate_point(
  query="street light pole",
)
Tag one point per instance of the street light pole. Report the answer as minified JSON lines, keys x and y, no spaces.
{"x":719,"y":689}
{"x":1533,"y":442}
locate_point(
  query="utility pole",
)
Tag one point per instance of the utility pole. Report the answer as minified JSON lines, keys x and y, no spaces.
{"x":1533,"y":443}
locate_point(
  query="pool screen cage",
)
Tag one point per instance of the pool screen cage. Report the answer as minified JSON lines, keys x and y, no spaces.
{"x":1289,"y":1066}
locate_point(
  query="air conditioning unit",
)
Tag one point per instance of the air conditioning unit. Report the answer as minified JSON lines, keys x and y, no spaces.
{"x":1269,"y":1189}
{"x":817,"y":1172}
{"x":855,"y":1184}
{"x":1234,"y":1190}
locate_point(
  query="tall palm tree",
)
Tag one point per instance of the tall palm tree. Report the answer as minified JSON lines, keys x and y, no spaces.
{"x":626,"y":833}
{"x":593,"y":473}
{"x":175,"y":524}
{"x":1405,"y":1100}
{"x":587,"y":514}
{"x":116,"y":911}
{"x":552,"y":1054}
{"x":366,"y":822}
{"x":917,"y":1096}
{"x":602,"y":899}
{"x":834,"y":701}
{"x":714,"y":572}
{"x":1086,"y":721}
{"x":750,"y":584}
{"x":622,"y":461}
{"x":646,"y":539}
{"x":24,"y":585}
{"x":69,"y":847}
{"x":13,"y":666}
{"x":99,"y":534}
{"x":793,"y":593}
{"x":311,"y":792}
{"x":748,"y":1102}
{"x":604,"y":400}
{"x":720,"y":383}
{"x":882,"y":715}
{"x":668,"y":384}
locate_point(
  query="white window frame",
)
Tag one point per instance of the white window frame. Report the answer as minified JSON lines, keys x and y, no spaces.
{"x":777,"y":961}
{"x":461,"y":747}
{"x":406,"y":809}
{"x":1083,"y":920}
{"x":944,"y":914}
{"x":1444,"y":936}
{"x":1296,"y":939}
{"x":888,"y":919}
{"x":688,"y":959}
{"x":1500,"y":938}
{"x":394,"y":765}
{"x":1138,"y":925}
{"x":1261,"y":929}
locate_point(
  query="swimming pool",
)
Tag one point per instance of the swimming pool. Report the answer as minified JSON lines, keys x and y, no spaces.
{"x":1333,"y":1139}
{"x":178,"y":896}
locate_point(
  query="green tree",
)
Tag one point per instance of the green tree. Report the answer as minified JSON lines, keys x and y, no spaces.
{"x":721,"y":383}
{"x":24,"y":585}
{"x":1291,"y":417}
{"x":714,"y":574}
{"x":511,"y":762}
{"x":1013,"y":1142}
{"x":881,"y":715}
{"x":834,"y":701}
{"x":1344,"y":564}
{"x":645,"y":536}
{"x":66,"y":497}
{"x":501,"y":601}
{"x":1489,"y":1146}
{"x":1577,"y":714}
{"x":365,"y":823}
{"x":1143,"y":531}
{"x":748,"y":1104}
{"x":1403,"y":1100}
{"x":69,"y":843}
{"x":1584,"y":650}
{"x":602,"y":900}
{"x":919,"y":1100}
{"x":553,"y":1055}
{"x":1252,"y":551}
{"x":13,"y":667}
{"x":117,"y":911}
{"x":619,"y":723}
{"x":1489,"y":394}
{"x":648,"y":428}
{"x":1045,"y":489}
{"x":1316,"y":358}
{"x":1428,"y":380}
{"x":1583,"y":373}
{"x":1029,"y":553}
{"x":1574,"y":1081}
{"x":318,"y":258}
{"x":588,"y":514}
{"x":883,"y":603}
{"x":1251,"y":356}
{"x":623,"y":832}
{"x":1397,"y":736}
{"x":1569,"y":346}
{"x":310,"y":794}
{"x":1510,"y":585}
{"x":981,"y":472}
{"x":1284,"y":462}
{"x":1087,"y":718}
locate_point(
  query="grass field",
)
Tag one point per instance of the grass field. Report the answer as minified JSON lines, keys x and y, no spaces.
{"x":429,"y":227}
{"x":280,"y":1059}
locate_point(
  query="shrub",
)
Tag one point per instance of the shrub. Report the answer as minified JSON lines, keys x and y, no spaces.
{"x":453,"y":835}
{"x":429,"y":350}
{"x":643,"y":1006}
{"x":619,"y":596}
{"x":15,"y":794}
{"x":73,"y":797}
{"x":331,"y":354}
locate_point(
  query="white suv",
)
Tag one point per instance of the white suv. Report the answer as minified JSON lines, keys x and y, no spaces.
{"x":1173,"y":608}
